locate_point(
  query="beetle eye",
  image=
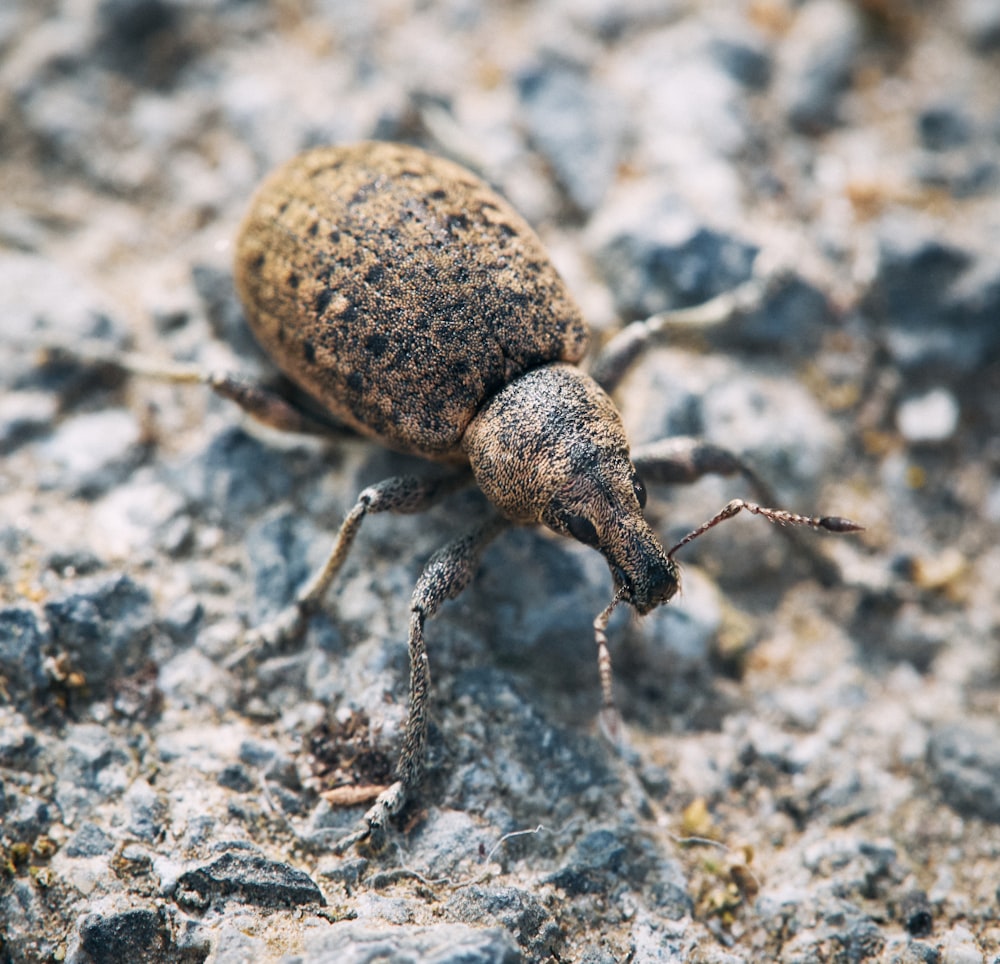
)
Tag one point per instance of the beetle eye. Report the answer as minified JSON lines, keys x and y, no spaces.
{"x":640,"y":490}
{"x":582,"y":529}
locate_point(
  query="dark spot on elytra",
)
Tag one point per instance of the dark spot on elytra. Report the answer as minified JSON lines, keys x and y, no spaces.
{"x":355,"y":381}
{"x":309,"y":352}
{"x":438,"y":193}
{"x":313,"y":229}
{"x":322,"y":301}
{"x":334,"y":236}
{"x":293,"y":279}
{"x":258,"y":261}
{"x":375,"y":274}
{"x":376,"y":344}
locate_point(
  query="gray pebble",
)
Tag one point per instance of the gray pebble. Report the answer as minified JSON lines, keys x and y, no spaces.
{"x":90,"y":767}
{"x":23,"y":416}
{"x":357,"y":942}
{"x":106,"y":624}
{"x":937,"y":302}
{"x":23,"y":638}
{"x":519,"y":912}
{"x":130,"y":935}
{"x":89,"y":841}
{"x":534,"y":772}
{"x":980,"y":21}
{"x":745,"y":58}
{"x":931,"y":417}
{"x":661,"y":256}
{"x":278,"y":548}
{"x":247,"y":878}
{"x":964,"y":760}
{"x":943,"y":127}
{"x":815,"y":63}
{"x":89,"y":453}
{"x":236,"y":476}
{"x":147,"y":811}
{"x":576,"y":124}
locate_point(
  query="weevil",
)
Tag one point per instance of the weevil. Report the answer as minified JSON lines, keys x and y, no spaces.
{"x":414,"y":306}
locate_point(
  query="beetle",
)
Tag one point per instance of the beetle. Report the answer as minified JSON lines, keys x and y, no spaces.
{"x":414,"y":306}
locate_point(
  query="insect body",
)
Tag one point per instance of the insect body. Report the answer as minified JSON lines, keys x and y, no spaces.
{"x":416,"y":307}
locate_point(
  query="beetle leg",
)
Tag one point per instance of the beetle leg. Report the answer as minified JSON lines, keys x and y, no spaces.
{"x":401,"y":494}
{"x":446,"y":574}
{"x":261,"y":402}
{"x":682,"y":460}
{"x":625,"y":347}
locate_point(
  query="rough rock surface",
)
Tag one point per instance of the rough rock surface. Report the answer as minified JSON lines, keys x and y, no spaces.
{"x":812,"y":769}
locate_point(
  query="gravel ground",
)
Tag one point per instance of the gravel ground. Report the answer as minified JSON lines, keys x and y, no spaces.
{"x":813,"y":765}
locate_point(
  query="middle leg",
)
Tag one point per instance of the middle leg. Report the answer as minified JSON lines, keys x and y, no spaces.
{"x":683,"y":460}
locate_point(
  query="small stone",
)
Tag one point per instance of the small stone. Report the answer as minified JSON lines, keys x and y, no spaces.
{"x":916,"y":914}
{"x":106,"y":624}
{"x":964,"y":759}
{"x":943,"y":127}
{"x":147,"y":812}
{"x":249,"y":879}
{"x":87,"y":454}
{"x":235,"y":777}
{"x":745,"y":59}
{"x":577,"y":125}
{"x":236,"y":476}
{"x":932,"y":417}
{"x":131,"y":935}
{"x":937,"y":302}
{"x":89,"y":841}
{"x":657,"y":255}
{"x":518,"y":911}
{"x":23,"y":639}
{"x":24,"y":415}
{"x":980,"y":22}
{"x":278,"y":548}
{"x":594,"y":865}
{"x":19,"y":747}
{"x":815,"y":63}
{"x":358,"y":942}
{"x":959,"y":946}
{"x":90,"y":769}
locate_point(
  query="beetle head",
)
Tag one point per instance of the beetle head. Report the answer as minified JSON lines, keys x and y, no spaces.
{"x":550,"y":448}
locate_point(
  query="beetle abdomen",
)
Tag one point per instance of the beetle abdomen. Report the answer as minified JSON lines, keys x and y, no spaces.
{"x":399,"y":290}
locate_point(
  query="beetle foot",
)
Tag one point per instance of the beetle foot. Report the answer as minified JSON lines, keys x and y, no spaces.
{"x":374,"y":824}
{"x":276,"y":634}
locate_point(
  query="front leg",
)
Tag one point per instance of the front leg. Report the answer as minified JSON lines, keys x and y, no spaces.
{"x":447,"y":573}
{"x":403,"y":495}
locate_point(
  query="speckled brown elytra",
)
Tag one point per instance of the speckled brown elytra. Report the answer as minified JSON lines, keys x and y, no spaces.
{"x":416,"y":307}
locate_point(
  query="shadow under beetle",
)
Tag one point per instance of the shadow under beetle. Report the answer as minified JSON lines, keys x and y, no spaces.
{"x":416,"y":307}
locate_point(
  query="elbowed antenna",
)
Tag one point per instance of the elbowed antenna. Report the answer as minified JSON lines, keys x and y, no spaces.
{"x":831,"y":523}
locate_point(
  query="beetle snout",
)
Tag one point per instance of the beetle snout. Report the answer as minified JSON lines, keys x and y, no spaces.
{"x":648,"y":577}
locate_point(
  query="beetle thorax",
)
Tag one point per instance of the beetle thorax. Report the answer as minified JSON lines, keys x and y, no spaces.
{"x":537,"y":432}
